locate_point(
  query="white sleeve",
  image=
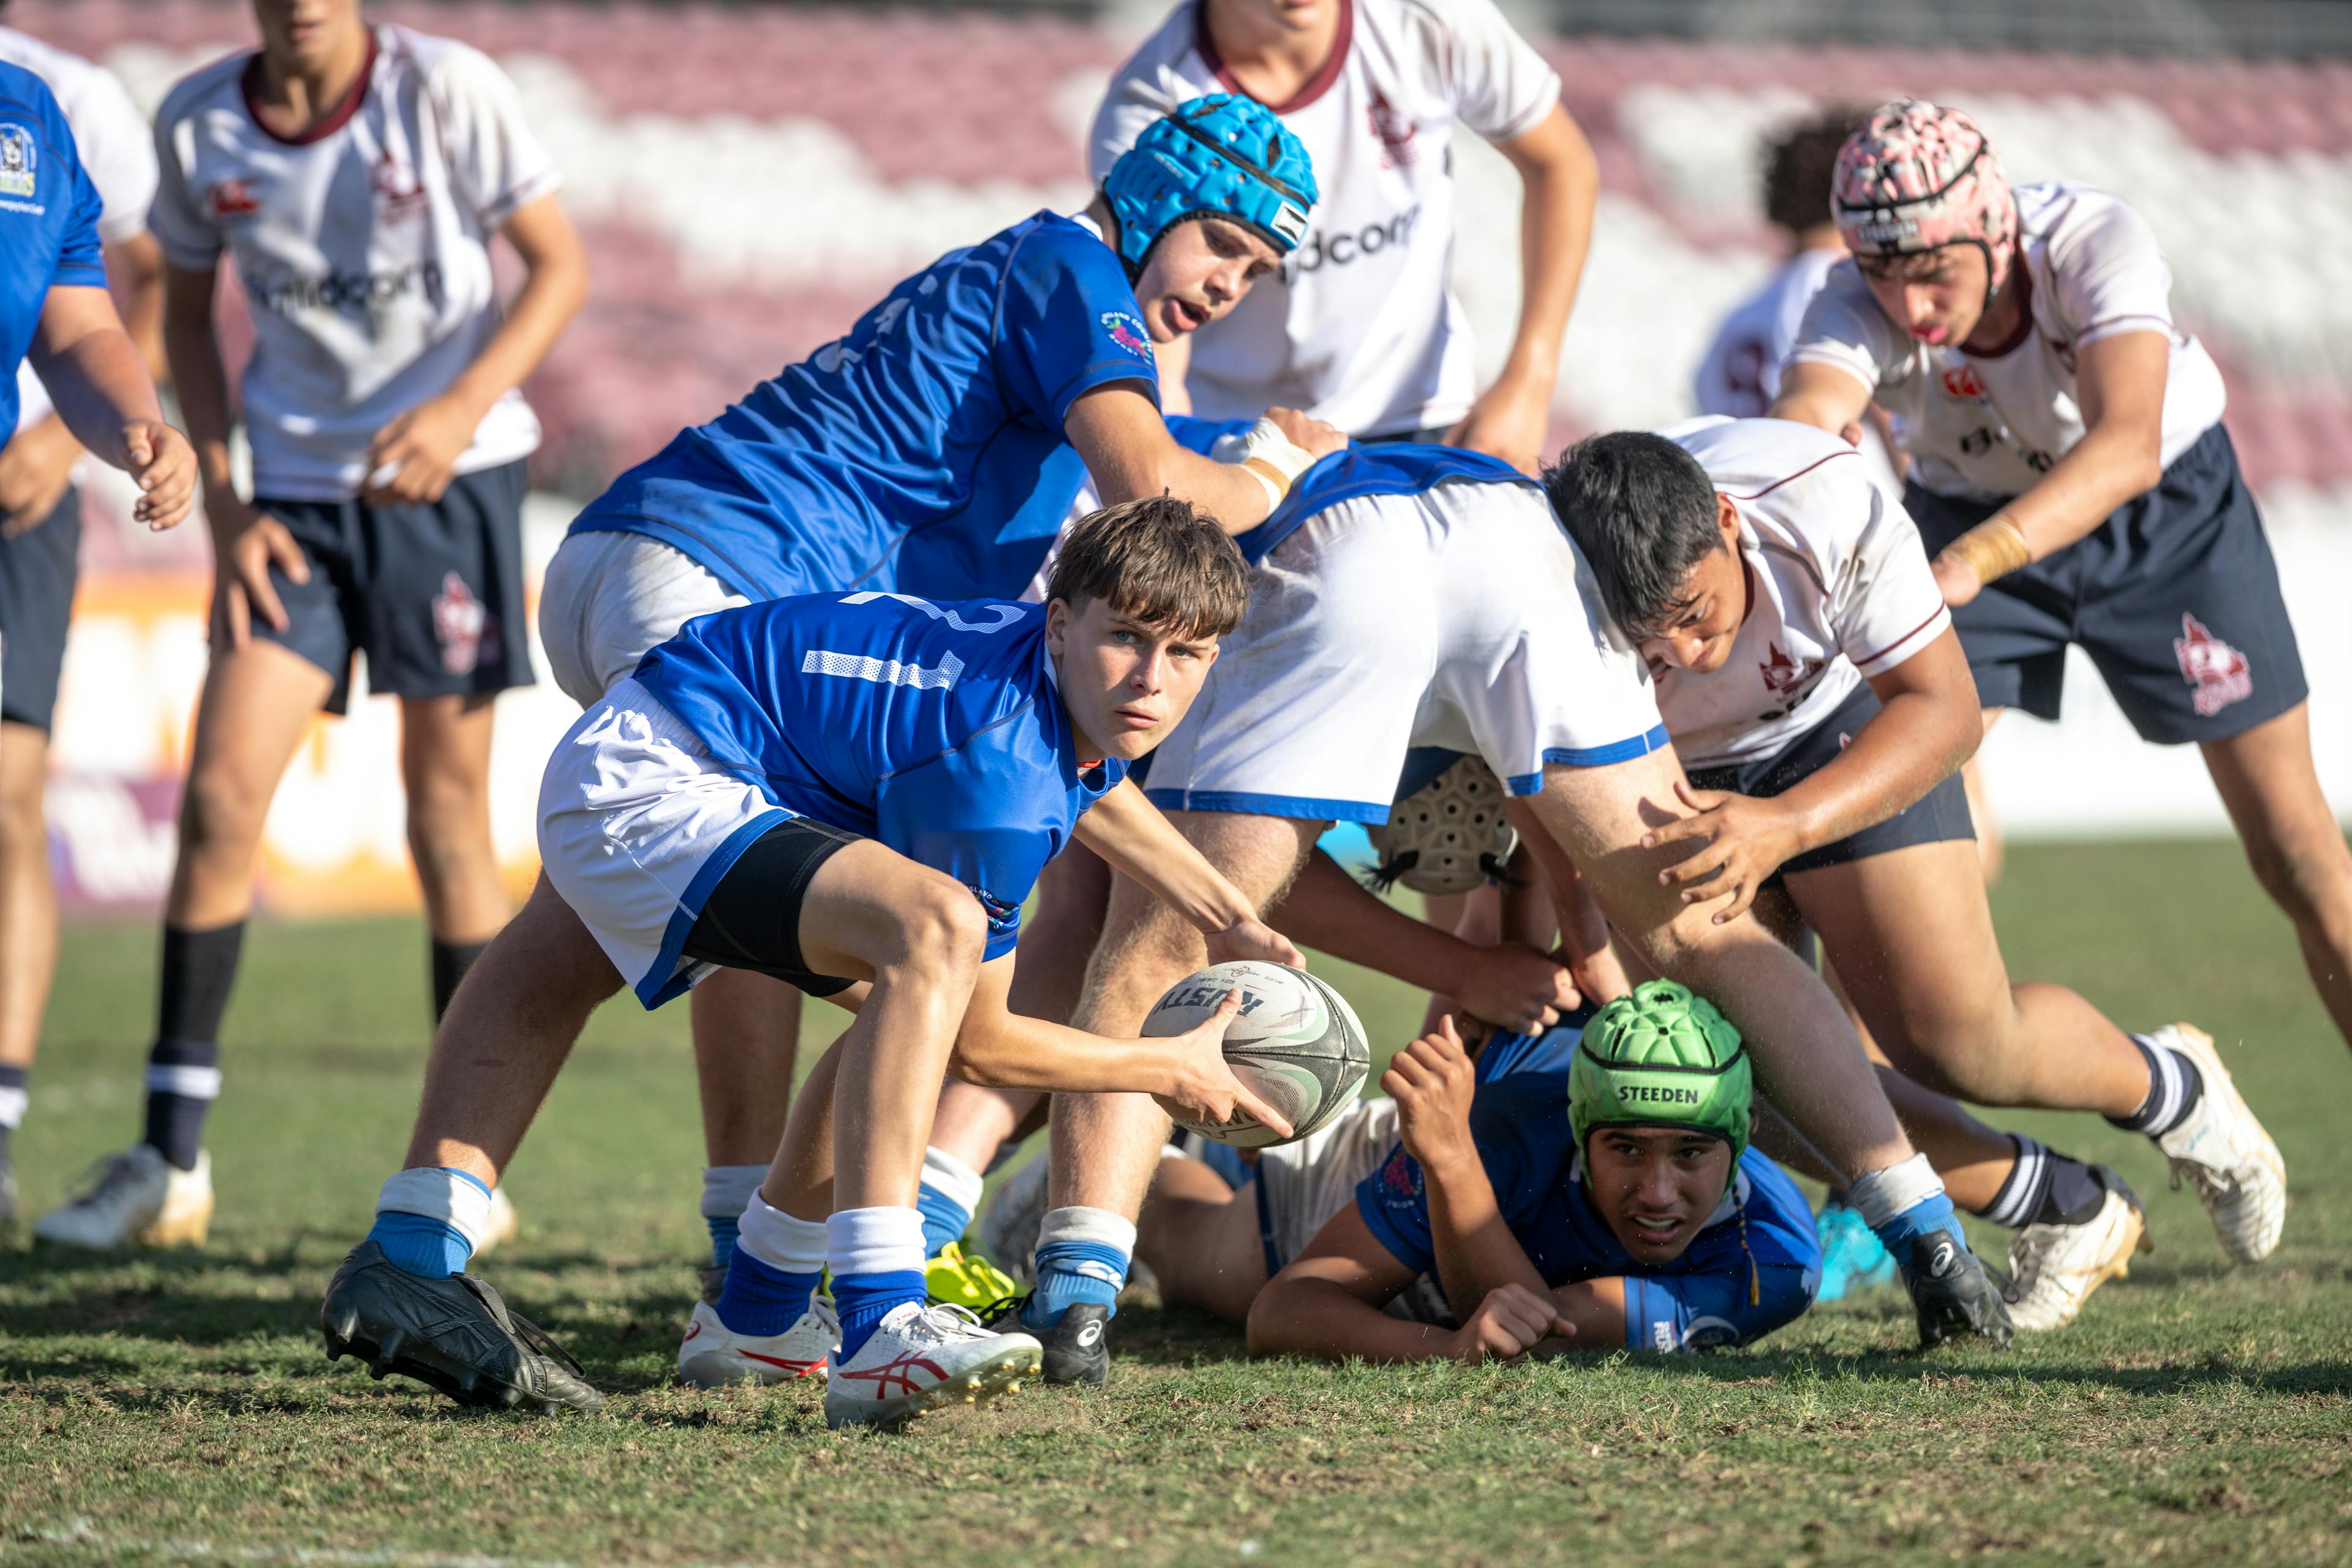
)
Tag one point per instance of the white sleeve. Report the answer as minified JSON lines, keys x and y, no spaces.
{"x":496,"y":164}
{"x":1844,"y":329}
{"x":177,"y":219}
{"x":1501,"y":87}
{"x":1887,"y":606}
{"x":2111,"y":278}
{"x":119,"y":150}
{"x":1139,"y":94}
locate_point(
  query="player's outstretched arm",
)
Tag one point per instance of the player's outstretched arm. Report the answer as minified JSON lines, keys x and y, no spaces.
{"x":1510,"y":983}
{"x":1327,"y":1302}
{"x":1824,"y":397}
{"x":1125,"y":442}
{"x":1130,"y":834}
{"x":415,"y":453}
{"x":999,"y":1048}
{"x":1811,"y":1061}
{"x":1926,"y":726}
{"x":102,"y":392}
{"x":2119,"y":382}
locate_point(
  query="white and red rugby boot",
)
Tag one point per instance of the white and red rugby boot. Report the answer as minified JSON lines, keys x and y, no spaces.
{"x":713,"y":1356}
{"x":921,"y":1356}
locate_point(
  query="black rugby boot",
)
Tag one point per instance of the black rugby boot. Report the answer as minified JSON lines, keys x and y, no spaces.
{"x":1954,"y":1293}
{"x":453,"y":1335}
{"x":1077,"y":1346}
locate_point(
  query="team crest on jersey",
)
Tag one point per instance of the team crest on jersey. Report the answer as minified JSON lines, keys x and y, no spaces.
{"x":1396,"y":133}
{"x":230,"y":198}
{"x":1788,"y":678}
{"x":1127,"y":332}
{"x":399,"y":193}
{"x":1962,"y":381}
{"x":19,"y":160}
{"x":464,"y":626}
{"x":2218,"y":672}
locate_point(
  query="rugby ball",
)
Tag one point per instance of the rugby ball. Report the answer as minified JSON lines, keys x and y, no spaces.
{"x":1296,"y":1045}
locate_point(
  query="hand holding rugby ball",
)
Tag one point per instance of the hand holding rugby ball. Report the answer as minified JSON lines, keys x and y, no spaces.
{"x":1296,"y":1043}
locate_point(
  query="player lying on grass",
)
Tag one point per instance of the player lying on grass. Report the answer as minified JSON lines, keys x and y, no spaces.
{"x":935,"y":449}
{"x":1611,"y":1197}
{"x":1809,"y":673}
{"x":2071,"y":474}
{"x":1424,"y":596}
{"x":844,"y":790}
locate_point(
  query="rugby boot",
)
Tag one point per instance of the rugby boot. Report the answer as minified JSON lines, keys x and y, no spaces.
{"x":454,"y":1334}
{"x":135,"y":1196}
{"x":1953,"y":1293}
{"x":1076,"y":1346}
{"x":2223,"y":1153}
{"x":963,"y":1278}
{"x":2053,"y":1268}
{"x":1852,"y":1258}
{"x":713,"y":1356}
{"x":919,"y":1357}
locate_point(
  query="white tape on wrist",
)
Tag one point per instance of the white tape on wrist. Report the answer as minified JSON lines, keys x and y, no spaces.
{"x":1270,"y":455}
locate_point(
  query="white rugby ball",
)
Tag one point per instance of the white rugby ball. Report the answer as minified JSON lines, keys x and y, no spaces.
{"x":1296,"y":1045}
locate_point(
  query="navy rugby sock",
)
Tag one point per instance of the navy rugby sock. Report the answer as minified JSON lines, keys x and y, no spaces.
{"x":450,"y":962}
{"x":2045,"y":1188}
{"x":184,"y":1066}
{"x":2174,"y":1085}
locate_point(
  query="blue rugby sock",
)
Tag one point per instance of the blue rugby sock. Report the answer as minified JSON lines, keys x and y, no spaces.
{"x":726,"y":1189}
{"x":432,"y":1236}
{"x":1903,"y":1203}
{"x":1083,"y":1255}
{"x":950,"y":1193}
{"x":877,"y":1259}
{"x":760,"y":1299}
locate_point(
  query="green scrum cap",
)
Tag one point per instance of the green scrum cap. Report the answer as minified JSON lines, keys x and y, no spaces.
{"x":1661,"y":1057}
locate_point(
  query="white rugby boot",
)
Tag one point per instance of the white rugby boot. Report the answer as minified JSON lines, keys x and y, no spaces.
{"x":923,"y":1356}
{"x":2225,"y":1154}
{"x":2053,"y":1268}
{"x":503,"y":1225}
{"x":713,"y":1356}
{"x":138,"y":1197}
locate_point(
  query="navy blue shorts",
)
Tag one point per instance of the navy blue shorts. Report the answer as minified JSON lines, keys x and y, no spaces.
{"x":431,"y":594}
{"x":1940,"y":816}
{"x":2175,"y":597}
{"x":38,"y":569}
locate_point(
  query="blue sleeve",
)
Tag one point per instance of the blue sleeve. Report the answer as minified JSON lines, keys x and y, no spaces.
{"x":1512,"y":1126}
{"x":1706,"y":1311}
{"x":81,"y":263}
{"x":1068,"y":323}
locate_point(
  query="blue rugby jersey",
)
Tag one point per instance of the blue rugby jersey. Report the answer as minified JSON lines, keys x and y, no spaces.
{"x":1736,"y":1281}
{"x":934,"y":728}
{"x":935,"y":426}
{"x":48,"y":219}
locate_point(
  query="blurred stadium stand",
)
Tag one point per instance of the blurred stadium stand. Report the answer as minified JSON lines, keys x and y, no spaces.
{"x":750,"y":176}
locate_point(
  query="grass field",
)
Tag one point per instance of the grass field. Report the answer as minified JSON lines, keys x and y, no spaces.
{"x":173,"y":1406}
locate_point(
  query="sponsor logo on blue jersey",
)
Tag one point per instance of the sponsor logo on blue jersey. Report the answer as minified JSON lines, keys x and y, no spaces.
{"x":19,"y":159}
{"x":1127,"y":332}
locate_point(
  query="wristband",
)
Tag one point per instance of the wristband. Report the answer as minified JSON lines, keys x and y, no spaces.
{"x":1993,"y":548}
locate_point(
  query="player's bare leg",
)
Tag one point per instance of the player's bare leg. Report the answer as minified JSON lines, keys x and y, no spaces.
{"x":28,"y":928}
{"x":1913,"y":942}
{"x":1201,"y":1244}
{"x":444,"y":766}
{"x":747,"y":1031}
{"x":507,"y":1035}
{"x":1992,"y":844}
{"x":2270,"y":788}
{"x":1106,"y":1147}
{"x":257,"y":703}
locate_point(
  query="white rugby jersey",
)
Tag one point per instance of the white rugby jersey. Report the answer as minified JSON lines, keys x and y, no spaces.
{"x":1741,"y":375}
{"x":1362,"y":329}
{"x":363,"y":248}
{"x":1840,"y":590}
{"x":115,"y":147}
{"x":1988,"y":426}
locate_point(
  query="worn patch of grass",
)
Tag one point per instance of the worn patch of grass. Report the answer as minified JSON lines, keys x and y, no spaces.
{"x":163,"y":1407}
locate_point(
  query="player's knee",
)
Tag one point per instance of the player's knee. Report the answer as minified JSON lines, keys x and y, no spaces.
{"x":220,"y":813}
{"x":24,"y":828}
{"x":2305,"y":873}
{"x":940,"y":928}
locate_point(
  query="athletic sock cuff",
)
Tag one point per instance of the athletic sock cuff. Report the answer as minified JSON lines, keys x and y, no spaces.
{"x":1099,"y":1226}
{"x":2020,"y":1198}
{"x":187,"y":1082}
{"x":948,"y":1175}
{"x":727,"y":1190}
{"x":13,"y":1100}
{"x":1879,"y":1195}
{"x":782,"y":1242}
{"x":874,"y":1241}
{"x":455,"y":1198}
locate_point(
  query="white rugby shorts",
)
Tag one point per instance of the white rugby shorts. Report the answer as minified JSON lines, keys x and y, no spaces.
{"x":1301,"y":1185}
{"x":609,"y":599}
{"x":1461,"y":618}
{"x":637,"y":824}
